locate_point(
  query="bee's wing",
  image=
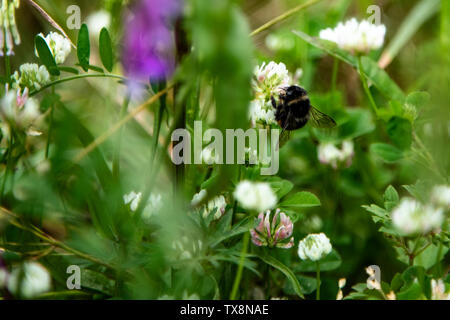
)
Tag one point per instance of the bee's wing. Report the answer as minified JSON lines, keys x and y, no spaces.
{"x":284,"y":137}
{"x":319,"y":119}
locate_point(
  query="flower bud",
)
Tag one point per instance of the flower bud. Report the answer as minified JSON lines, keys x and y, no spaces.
{"x":273,"y":232}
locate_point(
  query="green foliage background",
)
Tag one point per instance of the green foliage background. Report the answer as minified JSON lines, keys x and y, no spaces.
{"x":73,"y":213}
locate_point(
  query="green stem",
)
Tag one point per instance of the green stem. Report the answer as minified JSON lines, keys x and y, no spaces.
{"x":318,"y":280}
{"x":9,"y":152}
{"x":50,"y":127}
{"x":157,"y":124}
{"x":366,"y":87}
{"x":81,"y":76}
{"x":334,"y":75}
{"x":237,"y":279}
{"x":7,"y":68}
{"x":438,"y":259}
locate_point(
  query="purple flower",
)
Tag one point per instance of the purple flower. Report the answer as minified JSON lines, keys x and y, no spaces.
{"x":275,"y":233}
{"x":149,"y":45}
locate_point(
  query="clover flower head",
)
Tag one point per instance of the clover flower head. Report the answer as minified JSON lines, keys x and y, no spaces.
{"x":133,"y":199}
{"x":410,"y":217}
{"x":273,"y":230}
{"x":314,"y":247}
{"x":31,"y":76}
{"x":98,"y":20}
{"x":18,"y":108}
{"x":257,"y":196}
{"x":268,"y":79}
{"x":356,"y":37}
{"x":329,"y":154}
{"x":59,"y":46}
{"x":440,"y":196}
{"x":219,"y":203}
{"x":261,"y":112}
{"x":36,"y":280}
{"x":154,"y":204}
{"x":438,"y":291}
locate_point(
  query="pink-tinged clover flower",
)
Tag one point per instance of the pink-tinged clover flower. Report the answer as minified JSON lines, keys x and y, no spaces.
{"x":149,"y":48}
{"x":275,"y":232}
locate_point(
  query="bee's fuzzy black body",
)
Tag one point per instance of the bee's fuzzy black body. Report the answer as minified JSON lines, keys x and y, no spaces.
{"x":292,"y":111}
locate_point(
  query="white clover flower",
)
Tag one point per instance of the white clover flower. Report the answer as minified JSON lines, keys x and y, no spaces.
{"x":21,"y":110}
{"x":31,"y":76}
{"x":209,"y":156}
{"x":411,"y":217}
{"x":218,"y":203}
{"x":438,"y":291}
{"x":314,"y":247}
{"x":133,"y":199}
{"x":198,"y":197}
{"x":268,"y":79}
{"x":154,"y":204}
{"x":257,"y":196}
{"x":328,"y":153}
{"x":261,"y":112}
{"x":440,"y":196}
{"x":356,"y":37}
{"x":59,"y":45}
{"x":97,"y":21}
{"x":33,"y":279}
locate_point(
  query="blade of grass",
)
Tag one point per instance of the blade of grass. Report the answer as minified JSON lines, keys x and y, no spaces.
{"x":283,"y":16}
{"x":423,"y":11}
{"x":119,"y":124}
{"x":48,"y":239}
{"x":50,"y":20}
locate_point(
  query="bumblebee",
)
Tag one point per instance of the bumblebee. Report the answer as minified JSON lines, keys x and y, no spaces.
{"x":294,"y":110}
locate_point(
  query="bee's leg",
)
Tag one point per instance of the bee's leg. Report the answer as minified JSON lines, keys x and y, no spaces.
{"x":274,"y":103}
